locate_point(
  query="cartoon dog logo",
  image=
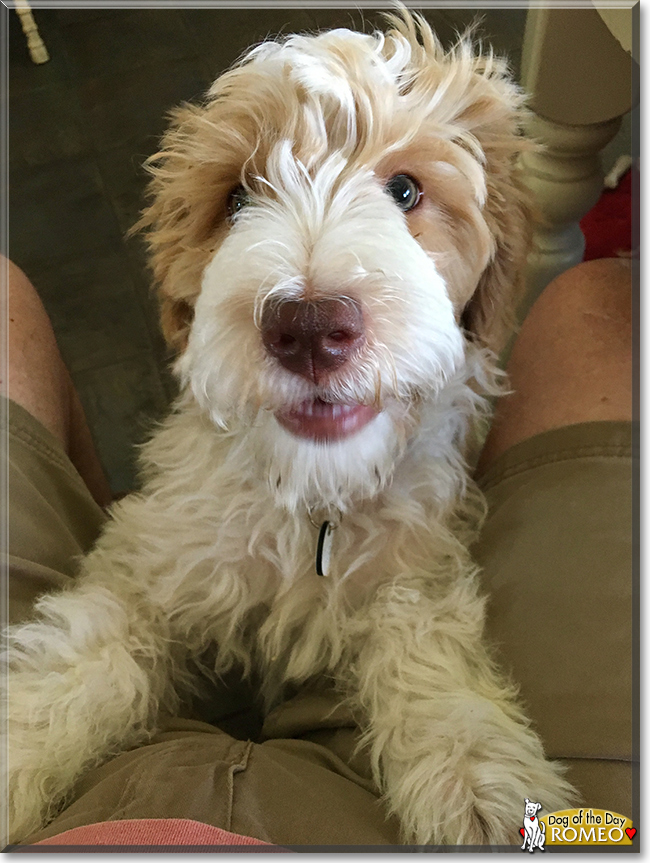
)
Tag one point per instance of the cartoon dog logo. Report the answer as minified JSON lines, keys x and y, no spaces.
{"x":534,"y":831}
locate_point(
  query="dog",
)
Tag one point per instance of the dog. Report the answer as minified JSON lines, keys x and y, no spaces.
{"x":338,"y":235}
{"x":534,"y":830}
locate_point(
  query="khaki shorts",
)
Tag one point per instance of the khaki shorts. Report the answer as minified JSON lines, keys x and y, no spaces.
{"x":556,"y":552}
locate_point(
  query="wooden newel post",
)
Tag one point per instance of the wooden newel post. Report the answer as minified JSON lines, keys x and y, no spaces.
{"x":579,"y":78}
{"x":36,"y":46}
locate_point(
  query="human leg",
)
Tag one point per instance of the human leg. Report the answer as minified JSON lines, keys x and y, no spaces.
{"x":556,"y":549}
{"x":572,"y":360}
{"x":303,"y":784}
{"x":38,"y":380}
{"x":53,"y":518}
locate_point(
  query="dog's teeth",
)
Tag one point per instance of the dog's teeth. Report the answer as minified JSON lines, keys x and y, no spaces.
{"x":319,"y":408}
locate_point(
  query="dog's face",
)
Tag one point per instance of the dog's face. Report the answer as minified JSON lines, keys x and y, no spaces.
{"x":328,"y":231}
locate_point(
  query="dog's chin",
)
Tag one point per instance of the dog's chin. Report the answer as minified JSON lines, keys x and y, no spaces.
{"x":325,"y":422}
{"x":326,"y":457}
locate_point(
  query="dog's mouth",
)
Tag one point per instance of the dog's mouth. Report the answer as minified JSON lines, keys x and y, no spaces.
{"x":323,"y":421}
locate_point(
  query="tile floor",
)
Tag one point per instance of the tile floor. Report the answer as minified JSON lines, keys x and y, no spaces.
{"x":80,"y":127}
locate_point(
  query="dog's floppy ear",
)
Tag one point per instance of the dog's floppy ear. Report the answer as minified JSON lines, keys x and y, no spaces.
{"x":490,"y":315}
{"x":184,"y":221}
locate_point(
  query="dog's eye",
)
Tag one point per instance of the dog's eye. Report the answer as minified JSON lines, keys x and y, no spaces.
{"x":237,"y":200}
{"x":405,"y":190}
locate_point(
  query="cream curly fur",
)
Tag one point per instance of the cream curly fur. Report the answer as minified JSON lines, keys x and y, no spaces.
{"x":218,"y":547}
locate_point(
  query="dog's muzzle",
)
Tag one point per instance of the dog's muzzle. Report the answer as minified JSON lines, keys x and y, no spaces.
{"x":314,"y":339}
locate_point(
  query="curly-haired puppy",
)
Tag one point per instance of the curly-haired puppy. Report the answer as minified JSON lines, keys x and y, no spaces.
{"x":337,"y":233}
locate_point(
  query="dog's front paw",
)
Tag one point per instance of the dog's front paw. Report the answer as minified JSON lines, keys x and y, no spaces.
{"x":35,"y":772}
{"x":467,"y":798}
{"x":28,"y":802}
{"x":489,"y":809}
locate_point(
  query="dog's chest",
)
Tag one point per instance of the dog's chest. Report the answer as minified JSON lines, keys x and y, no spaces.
{"x":257,"y":556}
{"x":220,"y":551}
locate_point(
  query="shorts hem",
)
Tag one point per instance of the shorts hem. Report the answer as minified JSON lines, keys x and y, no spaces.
{"x":567,"y":443}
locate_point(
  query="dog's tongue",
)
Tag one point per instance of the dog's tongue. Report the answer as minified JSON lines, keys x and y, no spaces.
{"x":323,"y":421}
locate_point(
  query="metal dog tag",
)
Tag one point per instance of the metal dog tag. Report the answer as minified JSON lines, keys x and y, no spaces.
{"x":324,"y":548}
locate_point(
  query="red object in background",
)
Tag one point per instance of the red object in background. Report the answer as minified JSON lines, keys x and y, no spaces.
{"x":608,"y":226}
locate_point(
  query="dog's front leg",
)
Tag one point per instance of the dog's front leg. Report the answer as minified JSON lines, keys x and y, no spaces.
{"x":450,"y":747}
{"x":84,"y":681}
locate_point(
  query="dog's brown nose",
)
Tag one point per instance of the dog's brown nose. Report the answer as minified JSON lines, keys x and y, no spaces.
{"x":313,"y":338}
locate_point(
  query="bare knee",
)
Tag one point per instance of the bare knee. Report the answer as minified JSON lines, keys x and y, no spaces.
{"x":572,"y":361}
{"x":36,"y":376}
{"x":591,"y":305}
{"x":38,"y":380}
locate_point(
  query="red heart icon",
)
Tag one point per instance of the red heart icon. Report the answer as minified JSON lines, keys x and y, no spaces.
{"x":522,"y":831}
{"x":532,"y":817}
{"x":630,"y":832}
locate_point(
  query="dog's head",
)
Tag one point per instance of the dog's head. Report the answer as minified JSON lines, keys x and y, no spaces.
{"x":329,"y":231}
{"x":531,"y":808}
